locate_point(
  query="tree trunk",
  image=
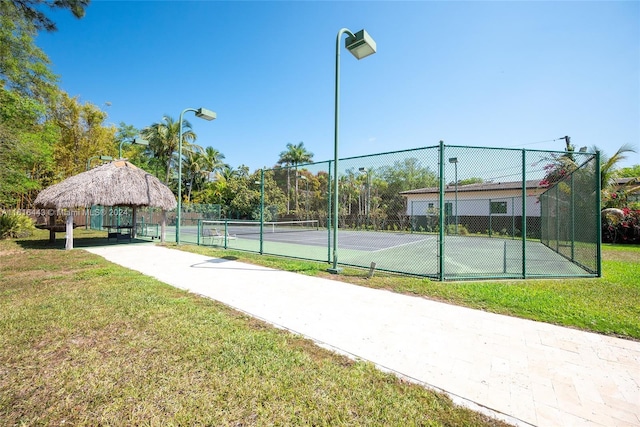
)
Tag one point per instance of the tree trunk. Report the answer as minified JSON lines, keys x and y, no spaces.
{"x":166,"y":176}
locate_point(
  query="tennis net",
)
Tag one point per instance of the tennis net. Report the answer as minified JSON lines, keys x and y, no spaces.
{"x":244,"y":227}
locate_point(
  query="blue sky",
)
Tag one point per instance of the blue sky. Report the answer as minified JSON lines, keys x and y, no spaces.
{"x":497,"y":74}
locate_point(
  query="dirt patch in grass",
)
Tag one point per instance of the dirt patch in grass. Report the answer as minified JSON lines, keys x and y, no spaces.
{"x":631,"y":257}
{"x":8,"y":252}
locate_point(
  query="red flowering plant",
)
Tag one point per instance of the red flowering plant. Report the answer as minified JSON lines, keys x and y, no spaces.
{"x":614,"y":198}
{"x":560,"y":166}
{"x":621,"y":225}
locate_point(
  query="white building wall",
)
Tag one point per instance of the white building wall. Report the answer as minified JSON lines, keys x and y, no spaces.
{"x":468,"y":205}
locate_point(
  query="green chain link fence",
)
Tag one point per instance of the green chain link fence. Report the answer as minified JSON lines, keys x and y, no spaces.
{"x":570,"y":214}
{"x":444,"y":212}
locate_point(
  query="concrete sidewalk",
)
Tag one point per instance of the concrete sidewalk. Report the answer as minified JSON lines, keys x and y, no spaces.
{"x":521,"y":371}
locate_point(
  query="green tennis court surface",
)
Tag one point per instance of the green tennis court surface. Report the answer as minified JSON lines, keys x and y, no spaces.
{"x":412,"y":253}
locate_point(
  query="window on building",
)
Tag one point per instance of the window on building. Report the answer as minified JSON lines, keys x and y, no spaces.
{"x":498,"y":207}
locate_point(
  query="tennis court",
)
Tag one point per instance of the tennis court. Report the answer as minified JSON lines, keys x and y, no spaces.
{"x":411,"y":253}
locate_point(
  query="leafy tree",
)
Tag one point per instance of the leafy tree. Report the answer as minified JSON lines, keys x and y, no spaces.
{"x":220,"y":190}
{"x":401,"y":176}
{"x":28,"y":87}
{"x":294,"y":155}
{"x":30,"y":10}
{"x":23,"y":66}
{"x":629,"y":172}
{"x":352,"y":188}
{"x":124,"y":135}
{"x":274,"y":198}
{"x":198,"y":169}
{"x":227,"y":173}
{"x":212,"y":161}
{"x":82,"y":134}
{"x":193,"y":172}
{"x":315,"y":200}
{"x":608,"y":165}
{"x":26,"y":141}
{"x":469,"y":181}
{"x":164,"y":140}
{"x":246,"y":198}
{"x":245,"y":202}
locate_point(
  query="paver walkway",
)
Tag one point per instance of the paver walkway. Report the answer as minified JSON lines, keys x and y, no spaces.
{"x":526,"y":372}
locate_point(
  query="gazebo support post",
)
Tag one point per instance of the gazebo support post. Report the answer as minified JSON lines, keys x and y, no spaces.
{"x":69,"y":235}
{"x":134,"y":220}
{"x":163,"y":226}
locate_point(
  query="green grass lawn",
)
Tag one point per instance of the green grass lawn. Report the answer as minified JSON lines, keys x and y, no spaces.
{"x":87,"y":342}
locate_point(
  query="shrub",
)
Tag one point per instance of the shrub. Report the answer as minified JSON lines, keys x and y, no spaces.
{"x":462,"y":230}
{"x":625,"y":229}
{"x":15,"y":225}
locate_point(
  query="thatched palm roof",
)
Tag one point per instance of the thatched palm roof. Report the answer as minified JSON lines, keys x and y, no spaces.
{"x":118,"y":183}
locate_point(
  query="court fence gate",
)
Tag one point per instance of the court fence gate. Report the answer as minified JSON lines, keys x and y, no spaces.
{"x":444,"y":212}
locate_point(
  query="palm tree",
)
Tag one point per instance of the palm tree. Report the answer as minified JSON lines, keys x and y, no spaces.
{"x":294,"y":156}
{"x":608,"y":165}
{"x":212,"y":160}
{"x":192,"y":165}
{"x":227,"y":173}
{"x":163,"y":140}
{"x":609,"y":171}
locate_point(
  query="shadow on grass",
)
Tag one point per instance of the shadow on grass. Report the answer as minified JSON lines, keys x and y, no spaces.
{"x":78,"y":243}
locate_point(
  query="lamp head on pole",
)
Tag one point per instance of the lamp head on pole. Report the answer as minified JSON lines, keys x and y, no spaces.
{"x":360,"y":44}
{"x":139,"y":141}
{"x":203,"y":113}
{"x":453,"y":160}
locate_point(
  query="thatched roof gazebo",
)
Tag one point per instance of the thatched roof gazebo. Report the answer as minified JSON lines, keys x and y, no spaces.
{"x":118,"y":183}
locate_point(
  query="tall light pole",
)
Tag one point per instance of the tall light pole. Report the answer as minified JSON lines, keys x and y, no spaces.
{"x":360,"y":45}
{"x":454,"y":160}
{"x":202,"y":113}
{"x":134,"y":141}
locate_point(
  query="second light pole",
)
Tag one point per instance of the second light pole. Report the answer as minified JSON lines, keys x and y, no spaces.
{"x":454,"y":160}
{"x":360,"y":45}
{"x":134,"y":141}
{"x":202,"y":113}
